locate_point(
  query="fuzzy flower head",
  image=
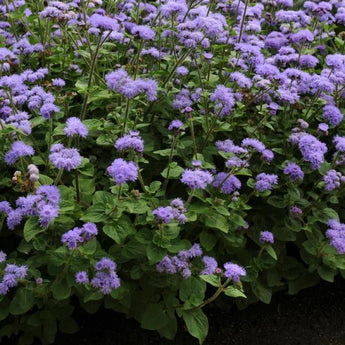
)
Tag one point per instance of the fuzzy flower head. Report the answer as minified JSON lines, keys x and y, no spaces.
{"x":122,"y":171}
{"x":196,"y":179}
{"x":18,"y":149}
{"x":336,"y":234}
{"x":265,"y":182}
{"x":266,"y":237}
{"x":234,"y":271}
{"x":227,"y":184}
{"x":312,"y":150}
{"x":75,"y":127}
{"x":294,"y":172}
{"x":63,"y":158}
{"x":130,"y":141}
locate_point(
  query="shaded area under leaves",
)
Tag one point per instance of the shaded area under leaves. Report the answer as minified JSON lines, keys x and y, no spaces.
{"x":313,"y":317}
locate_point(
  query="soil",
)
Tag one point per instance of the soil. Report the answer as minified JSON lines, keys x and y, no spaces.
{"x":316,"y":316}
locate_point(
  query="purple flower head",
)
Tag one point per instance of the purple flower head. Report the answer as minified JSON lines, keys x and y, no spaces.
{"x":323,"y":127}
{"x":103,"y":22}
{"x":253,"y":143}
{"x":130,"y":141}
{"x":266,"y":237}
{"x":229,"y":146}
{"x":81,"y":277}
{"x":166,"y":266}
{"x":50,"y":193}
{"x":193,"y":252}
{"x":312,"y":150}
{"x":63,"y":158}
{"x":75,"y":127}
{"x":224,"y":100}
{"x":18,"y":149}
{"x":163,"y":214}
{"x":210,"y":265}
{"x":339,"y":143}
{"x":265,"y":182}
{"x":332,"y":180}
{"x":336,"y":234}
{"x":48,"y":109}
{"x":46,"y":214}
{"x":72,"y":238}
{"x":267,"y":155}
{"x":294,"y":172}
{"x":175,"y":125}
{"x":231,"y":184}
{"x":105,"y":264}
{"x":332,"y":114}
{"x":196,"y":179}
{"x":106,"y":278}
{"x":3,"y":256}
{"x":182,"y":70}
{"x":58,"y":82}
{"x":122,"y":171}
{"x":234,"y":271}
{"x":295,"y":211}
{"x":143,"y":31}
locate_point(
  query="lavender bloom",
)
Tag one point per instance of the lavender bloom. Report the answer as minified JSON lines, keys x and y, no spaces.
{"x":5,"y":206}
{"x":224,"y":99}
{"x":75,"y":127}
{"x":295,"y":211}
{"x":58,"y":82}
{"x":265,"y":182}
{"x":332,"y":180}
{"x":196,"y":179}
{"x":182,"y":70}
{"x":106,"y":278}
{"x":130,"y":141}
{"x":81,"y":277}
{"x":253,"y":143}
{"x":210,"y":265}
{"x":103,"y":22}
{"x":339,"y":143}
{"x":323,"y":127}
{"x":332,"y":114}
{"x":50,"y":193}
{"x":236,"y":162}
{"x":18,"y":149}
{"x":234,"y":271}
{"x":46,"y":214}
{"x":3,"y":256}
{"x":176,"y":210}
{"x":122,"y":171}
{"x":79,"y":235}
{"x":143,"y":31}
{"x":266,"y":237}
{"x":64,"y":158}
{"x":48,"y":109}
{"x":294,"y":172}
{"x":231,"y":184}
{"x":12,"y":274}
{"x":312,"y":150}
{"x":229,"y":146}
{"x":241,"y":80}
{"x":175,"y":124}
{"x":336,"y":234}
{"x":166,"y":266}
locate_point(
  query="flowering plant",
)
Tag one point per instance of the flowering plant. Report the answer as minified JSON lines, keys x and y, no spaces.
{"x":159,"y":156}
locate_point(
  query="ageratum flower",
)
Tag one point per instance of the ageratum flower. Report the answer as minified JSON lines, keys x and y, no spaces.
{"x":81,"y":277}
{"x":312,"y":150}
{"x":64,"y":158}
{"x":294,"y":171}
{"x":75,"y":127}
{"x":332,"y":114}
{"x":18,"y":149}
{"x":224,"y":99}
{"x":196,"y":179}
{"x":79,"y":235}
{"x":106,"y":278}
{"x":234,"y":271}
{"x":176,"y":210}
{"x":58,"y":82}
{"x":332,"y":180}
{"x":336,"y":234}
{"x":266,"y":237}
{"x":122,"y":171}
{"x":210,"y":265}
{"x":103,"y":22}
{"x":175,"y":125}
{"x":231,"y":184}
{"x":3,"y":256}
{"x":130,"y":141}
{"x":265,"y":182}
{"x":12,"y":274}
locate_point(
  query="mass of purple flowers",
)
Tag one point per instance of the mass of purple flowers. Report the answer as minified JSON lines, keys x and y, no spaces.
{"x":266,"y":237}
{"x":336,"y":235}
{"x":79,"y":235}
{"x":176,"y":211}
{"x":122,"y":171}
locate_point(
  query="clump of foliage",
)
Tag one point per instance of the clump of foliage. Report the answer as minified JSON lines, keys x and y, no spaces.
{"x":158,"y":156}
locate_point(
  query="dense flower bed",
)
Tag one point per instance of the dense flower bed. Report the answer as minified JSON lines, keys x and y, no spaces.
{"x":158,"y":156}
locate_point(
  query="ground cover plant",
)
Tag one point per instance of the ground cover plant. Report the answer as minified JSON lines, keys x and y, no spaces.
{"x":159,"y":156}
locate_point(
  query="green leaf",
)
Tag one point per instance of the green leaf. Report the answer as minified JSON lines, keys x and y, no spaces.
{"x":68,"y":325}
{"x":32,"y":228}
{"x":197,"y":324}
{"x":208,"y":240}
{"x":211,"y":279}
{"x":216,"y":221}
{"x":155,"y":253}
{"x":61,"y":290}
{"x":261,"y":292}
{"x":175,"y":171}
{"x":22,"y":302}
{"x":154,"y":317}
{"x":326,"y":273}
{"x":271,"y":252}
{"x":231,"y":291}
{"x":192,"y":291}
{"x":118,"y":231}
